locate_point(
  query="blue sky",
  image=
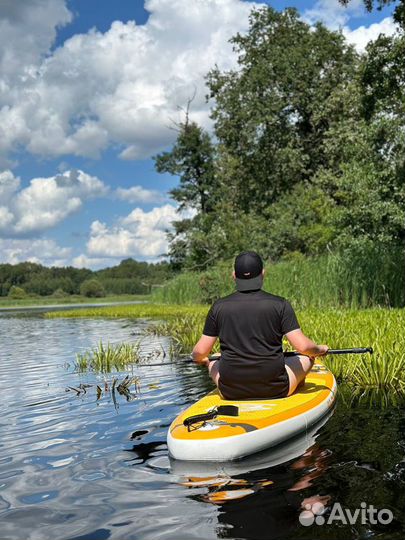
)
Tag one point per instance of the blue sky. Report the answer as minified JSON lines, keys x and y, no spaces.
{"x":88,"y":92}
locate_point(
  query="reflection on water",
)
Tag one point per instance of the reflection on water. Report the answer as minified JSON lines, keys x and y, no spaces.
{"x":74,"y":466}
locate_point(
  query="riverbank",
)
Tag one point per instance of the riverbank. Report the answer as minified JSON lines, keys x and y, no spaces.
{"x":379,"y":328}
{"x":42,"y":301}
{"x":137,"y":311}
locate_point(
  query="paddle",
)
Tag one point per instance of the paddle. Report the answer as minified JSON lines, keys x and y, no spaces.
{"x":356,"y":350}
{"x":217,"y":356}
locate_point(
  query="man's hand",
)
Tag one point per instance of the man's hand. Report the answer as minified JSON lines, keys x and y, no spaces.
{"x":323,"y":349}
{"x":203,"y":361}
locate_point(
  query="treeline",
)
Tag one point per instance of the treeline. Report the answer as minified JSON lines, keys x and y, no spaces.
{"x":129,"y":277}
{"x":308,"y":151}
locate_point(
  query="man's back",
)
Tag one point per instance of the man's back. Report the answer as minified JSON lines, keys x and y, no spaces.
{"x":250,"y":326}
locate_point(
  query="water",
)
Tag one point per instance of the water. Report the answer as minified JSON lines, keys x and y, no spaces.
{"x":72,"y":466}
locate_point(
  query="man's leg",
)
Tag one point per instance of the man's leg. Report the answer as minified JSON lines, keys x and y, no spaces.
{"x":213,"y":370}
{"x":297,"y":368}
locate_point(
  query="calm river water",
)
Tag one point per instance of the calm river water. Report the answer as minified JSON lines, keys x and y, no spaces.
{"x":77,"y":467}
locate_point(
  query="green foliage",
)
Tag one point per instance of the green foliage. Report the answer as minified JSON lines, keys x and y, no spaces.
{"x":105,"y":359}
{"x":92,"y":288}
{"x":270,"y":113}
{"x":192,"y":159}
{"x":59,"y":293}
{"x":309,"y":159}
{"x":129,"y":277}
{"x":380,"y":328}
{"x":17,"y":293}
{"x":301,"y":221}
{"x":136,"y":311}
{"x":116,"y":285}
{"x":363,"y":274}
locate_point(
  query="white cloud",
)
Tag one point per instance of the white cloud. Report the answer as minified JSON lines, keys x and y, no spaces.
{"x":9,"y":184}
{"x":43,"y":251}
{"x":138,"y":194}
{"x":336,"y":17}
{"x":27,"y":31}
{"x":332,"y":13}
{"x":45,"y":202}
{"x":83,"y":261}
{"x":123,"y":86}
{"x":140,"y":234}
{"x":362,"y":35}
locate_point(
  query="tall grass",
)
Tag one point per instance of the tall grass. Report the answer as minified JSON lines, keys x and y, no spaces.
{"x":134,"y":311}
{"x":352,"y":279}
{"x":105,"y":358}
{"x":380,"y":328}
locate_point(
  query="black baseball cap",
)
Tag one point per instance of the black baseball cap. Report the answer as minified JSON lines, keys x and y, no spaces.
{"x":248,"y":271}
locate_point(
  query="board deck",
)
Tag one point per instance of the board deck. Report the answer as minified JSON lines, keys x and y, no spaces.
{"x":278,"y":418}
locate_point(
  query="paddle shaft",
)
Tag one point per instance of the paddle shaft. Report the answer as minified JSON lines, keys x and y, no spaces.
{"x":356,"y":350}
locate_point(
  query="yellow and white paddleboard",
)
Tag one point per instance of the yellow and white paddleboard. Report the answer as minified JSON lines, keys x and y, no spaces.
{"x":257,"y":425}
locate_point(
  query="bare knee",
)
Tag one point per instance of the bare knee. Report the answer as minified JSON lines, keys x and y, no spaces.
{"x":297,"y":368}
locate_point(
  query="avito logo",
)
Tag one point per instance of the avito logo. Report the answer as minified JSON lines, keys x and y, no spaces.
{"x":315,"y":513}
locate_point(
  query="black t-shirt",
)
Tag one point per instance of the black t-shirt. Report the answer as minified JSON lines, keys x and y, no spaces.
{"x":250,"y":326}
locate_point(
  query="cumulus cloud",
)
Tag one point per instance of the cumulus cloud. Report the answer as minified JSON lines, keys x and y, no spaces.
{"x":138,"y":194}
{"x":45,"y":202}
{"x":83,"y":261}
{"x":27,"y":31}
{"x":362,"y":35}
{"x":123,"y":86}
{"x":332,"y":13}
{"x":43,"y":251}
{"x":336,"y":17}
{"x":140,"y":234}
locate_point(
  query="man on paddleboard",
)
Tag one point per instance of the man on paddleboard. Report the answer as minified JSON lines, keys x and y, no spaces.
{"x":250,"y":325}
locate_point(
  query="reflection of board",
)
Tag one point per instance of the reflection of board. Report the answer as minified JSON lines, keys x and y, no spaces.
{"x":260,"y":424}
{"x":289,"y":450}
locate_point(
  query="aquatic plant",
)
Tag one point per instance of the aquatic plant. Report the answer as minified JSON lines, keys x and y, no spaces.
{"x":336,"y":280}
{"x":339,"y":328}
{"x":134,"y":311}
{"x":379,"y":328}
{"x":105,"y":358}
{"x":123,"y":388}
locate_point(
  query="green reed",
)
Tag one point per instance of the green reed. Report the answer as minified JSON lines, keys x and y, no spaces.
{"x":106,"y":358}
{"x":353,"y":279}
{"x":380,"y":328}
{"x":135,"y":311}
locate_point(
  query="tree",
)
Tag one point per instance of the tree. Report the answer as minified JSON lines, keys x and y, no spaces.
{"x":192,"y":158}
{"x":310,"y":149}
{"x":92,"y":288}
{"x":17,"y":293}
{"x":364,"y":181}
{"x":270,"y":113}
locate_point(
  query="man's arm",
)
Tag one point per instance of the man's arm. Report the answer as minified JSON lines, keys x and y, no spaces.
{"x":304,"y":345}
{"x":202,"y":349}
